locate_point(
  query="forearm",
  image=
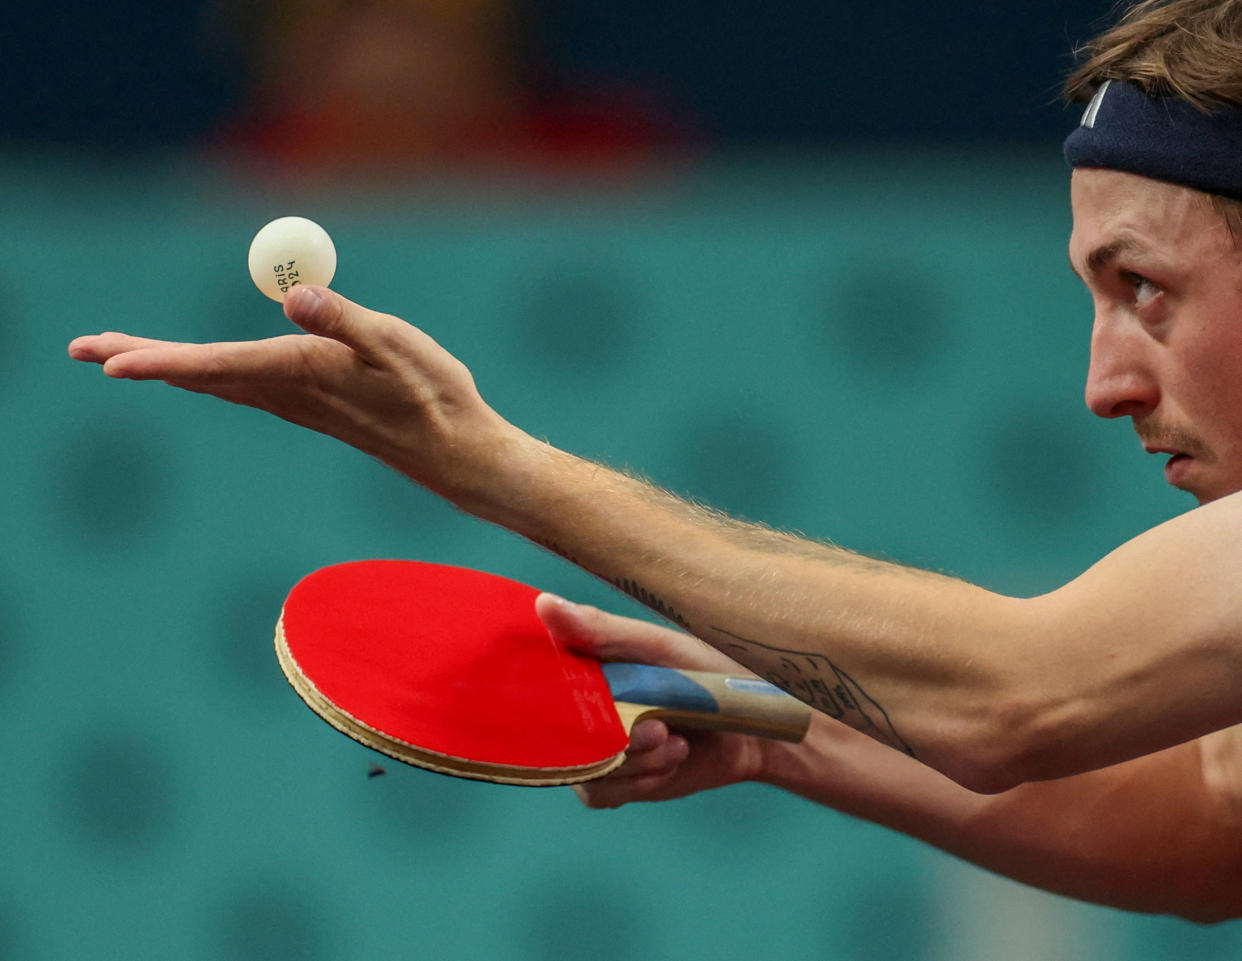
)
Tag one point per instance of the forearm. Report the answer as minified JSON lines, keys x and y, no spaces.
{"x":892,"y":651}
{"x":1151,"y":835}
{"x":989,"y":690}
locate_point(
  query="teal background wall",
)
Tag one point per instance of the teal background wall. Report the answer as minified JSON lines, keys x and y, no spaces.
{"x":885,"y":349}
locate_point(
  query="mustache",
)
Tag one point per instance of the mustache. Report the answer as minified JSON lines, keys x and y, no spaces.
{"x":1155,"y":434}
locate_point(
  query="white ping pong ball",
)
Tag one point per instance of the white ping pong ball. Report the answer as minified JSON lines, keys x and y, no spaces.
{"x":291,"y":251}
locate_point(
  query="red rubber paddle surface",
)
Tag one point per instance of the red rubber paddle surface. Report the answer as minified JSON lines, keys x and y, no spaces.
{"x":450,"y":660}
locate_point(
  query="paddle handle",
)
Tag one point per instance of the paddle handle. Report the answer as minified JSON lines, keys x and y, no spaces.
{"x":701,"y":699}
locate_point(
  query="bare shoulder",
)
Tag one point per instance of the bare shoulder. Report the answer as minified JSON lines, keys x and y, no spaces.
{"x":1192,"y":560}
{"x":1201,"y":532}
{"x":1143,"y":651}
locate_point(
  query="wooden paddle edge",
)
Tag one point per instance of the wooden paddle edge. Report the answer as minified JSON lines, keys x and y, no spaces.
{"x":410,"y":754}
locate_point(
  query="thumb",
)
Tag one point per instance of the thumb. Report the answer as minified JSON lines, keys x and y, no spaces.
{"x":610,"y":637}
{"x":318,"y":310}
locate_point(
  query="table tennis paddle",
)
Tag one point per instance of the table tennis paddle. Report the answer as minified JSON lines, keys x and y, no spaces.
{"x":451,"y":669}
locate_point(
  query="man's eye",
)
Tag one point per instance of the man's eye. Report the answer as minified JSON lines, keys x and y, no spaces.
{"x":1144,"y":289}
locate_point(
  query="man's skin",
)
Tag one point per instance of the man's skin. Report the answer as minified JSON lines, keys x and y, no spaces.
{"x":1080,"y":741}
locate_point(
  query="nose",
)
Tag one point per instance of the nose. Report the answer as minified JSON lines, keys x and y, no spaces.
{"x":1120,"y":379}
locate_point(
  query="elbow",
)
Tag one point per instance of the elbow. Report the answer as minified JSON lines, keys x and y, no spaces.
{"x":985,"y":779}
{"x":1007,"y":722}
{"x":1005,"y":744}
{"x":985,"y":774}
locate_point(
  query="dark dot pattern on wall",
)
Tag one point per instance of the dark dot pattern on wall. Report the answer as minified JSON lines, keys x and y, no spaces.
{"x":14,"y":943}
{"x":239,"y":635}
{"x":1038,"y":465}
{"x":583,"y":320}
{"x":109,"y":481}
{"x":121,"y":792}
{"x":894,"y":921}
{"x":738,"y":461}
{"x":259,"y":921}
{"x":891,"y":315}
{"x":579,"y":917}
{"x":419,"y":812}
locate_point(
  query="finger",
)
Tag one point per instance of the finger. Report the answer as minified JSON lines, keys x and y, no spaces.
{"x":666,"y":757}
{"x":141,"y":358}
{"x":652,"y":748}
{"x":607,"y":792}
{"x":97,"y":348}
{"x":647,"y":736}
{"x":610,"y":637}
{"x":654,"y":754}
{"x":370,"y":334}
{"x":200,"y":365}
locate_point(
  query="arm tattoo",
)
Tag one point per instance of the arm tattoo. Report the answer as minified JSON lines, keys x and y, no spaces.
{"x":815,"y":679}
{"x":556,"y":548}
{"x":810,"y":677}
{"x":630,"y":587}
{"x":653,"y":601}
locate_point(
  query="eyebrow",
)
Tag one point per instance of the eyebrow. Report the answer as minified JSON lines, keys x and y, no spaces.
{"x":1105,"y":254}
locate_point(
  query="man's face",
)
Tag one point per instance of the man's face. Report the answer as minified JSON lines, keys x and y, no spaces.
{"x":1165,"y":276}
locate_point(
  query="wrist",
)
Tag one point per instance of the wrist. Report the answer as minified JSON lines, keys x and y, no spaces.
{"x":777,"y":763}
{"x":500,"y":474}
{"x":805,"y":767}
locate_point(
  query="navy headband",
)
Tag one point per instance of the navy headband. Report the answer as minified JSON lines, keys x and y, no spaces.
{"x":1164,"y":138}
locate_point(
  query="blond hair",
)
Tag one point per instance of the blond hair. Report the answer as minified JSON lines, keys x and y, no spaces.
{"x":1190,"y":49}
{"x":1171,"y":48}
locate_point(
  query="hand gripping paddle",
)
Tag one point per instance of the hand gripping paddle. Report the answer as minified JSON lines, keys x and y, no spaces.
{"x":451,"y":669}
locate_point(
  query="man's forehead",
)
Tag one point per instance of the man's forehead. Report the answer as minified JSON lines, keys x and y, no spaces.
{"x":1098,"y":255}
{"x":1117,"y":213}
{"x":1111,"y":195}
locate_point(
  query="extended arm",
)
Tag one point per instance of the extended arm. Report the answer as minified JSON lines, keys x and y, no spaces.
{"x":1139,"y":653}
{"x":991,"y":691}
{"x":1156,"y":834}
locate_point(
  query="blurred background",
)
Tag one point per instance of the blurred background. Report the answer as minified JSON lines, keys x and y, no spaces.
{"x":804,"y":261}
